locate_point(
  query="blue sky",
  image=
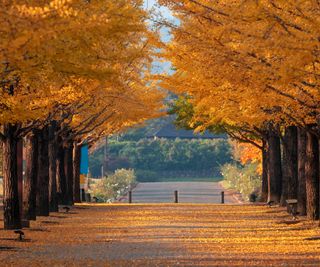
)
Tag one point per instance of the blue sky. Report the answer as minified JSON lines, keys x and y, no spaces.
{"x":153,"y":3}
{"x":165,"y":13}
{"x":159,"y":67}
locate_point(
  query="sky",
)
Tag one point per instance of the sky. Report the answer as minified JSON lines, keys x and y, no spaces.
{"x":159,"y":67}
{"x":164,"y":11}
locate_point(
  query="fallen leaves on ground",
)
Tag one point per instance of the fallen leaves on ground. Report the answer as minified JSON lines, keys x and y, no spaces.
{"x":164,"y":235}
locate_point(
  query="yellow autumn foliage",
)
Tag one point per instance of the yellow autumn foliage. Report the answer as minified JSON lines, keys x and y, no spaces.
{"x":246,"y":62}
{"x":77,"y":61}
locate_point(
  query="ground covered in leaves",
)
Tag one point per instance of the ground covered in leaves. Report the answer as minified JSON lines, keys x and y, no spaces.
{"x":164,"y":235}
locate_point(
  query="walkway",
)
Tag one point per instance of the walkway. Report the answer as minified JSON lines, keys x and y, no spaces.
{"x":164,"y":235}
{"x":188,"y":192}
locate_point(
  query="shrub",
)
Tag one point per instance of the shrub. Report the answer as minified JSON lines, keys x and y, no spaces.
{"x":244,"y":179}
{"x":113,"y":186}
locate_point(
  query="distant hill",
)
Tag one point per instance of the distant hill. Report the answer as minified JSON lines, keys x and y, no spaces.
{"x":165,"y":128}
{"x":170,"y":131}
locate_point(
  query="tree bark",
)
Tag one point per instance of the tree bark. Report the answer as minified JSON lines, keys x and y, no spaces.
{"x":43,"y":174}
{"x":12,"y":219}
{"x":290,"y":165}
{"x":312,"y":176}
{"x":275,"y":173}
{"x":53,"y":199}
{"x":20,"y":175}
{"x":105,"y":158}
{"x":61,"y":176}
{"x":302,"y":194}
{"x":68,"y":168}
{"x":76,"y":172}
{"x":265,"y":167}
{"x":30,"y":183}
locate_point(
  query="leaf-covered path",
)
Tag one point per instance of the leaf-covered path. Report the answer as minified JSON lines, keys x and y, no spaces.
{"x":164,"y":235}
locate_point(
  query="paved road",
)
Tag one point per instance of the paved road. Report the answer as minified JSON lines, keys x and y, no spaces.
{"x":188,"y":192}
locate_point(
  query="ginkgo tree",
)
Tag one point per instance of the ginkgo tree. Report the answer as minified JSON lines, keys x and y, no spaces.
{"x":82,"y":66}
{"x":254,"y":63}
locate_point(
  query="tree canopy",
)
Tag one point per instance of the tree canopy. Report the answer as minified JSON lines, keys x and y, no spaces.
{"x":246,"y":62}
{"x":86,"y":63}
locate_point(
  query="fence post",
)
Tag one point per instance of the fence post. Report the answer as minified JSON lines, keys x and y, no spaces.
{"x":222,"y":197}
{"x":176,"y":196}
{"x":130,"y":196}
{"x":83,"y":195}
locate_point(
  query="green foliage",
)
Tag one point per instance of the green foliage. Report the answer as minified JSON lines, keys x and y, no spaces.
{"x":113,"y":186}
{"x":149,"y":157}
{"x":147,"y":176}
{"x":183,"y":110}
{"x":244,"y":179}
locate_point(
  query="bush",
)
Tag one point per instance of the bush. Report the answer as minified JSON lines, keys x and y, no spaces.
{"x":113,"y":186}
{"x":244,"y":179}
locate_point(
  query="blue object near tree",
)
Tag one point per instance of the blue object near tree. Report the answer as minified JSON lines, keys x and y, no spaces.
{"x":84,"y":162}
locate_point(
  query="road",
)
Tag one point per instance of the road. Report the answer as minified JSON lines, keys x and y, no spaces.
{"x":188,"y":192}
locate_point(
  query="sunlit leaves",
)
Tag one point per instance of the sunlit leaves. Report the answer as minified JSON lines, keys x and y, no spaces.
{"x":86,"y":59}
{"x":247,"y":62}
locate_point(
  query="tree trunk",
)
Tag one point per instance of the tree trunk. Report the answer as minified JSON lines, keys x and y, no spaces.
{"x":12,"y":219}
{"x":275,"y":173}
{"x":76,"y":172}
{"x":312,"y":176}
{"x":61,"y":176}
{"x":105,"y":158}
{"x":265,"y":167}
{"x":20,"y":176}
{"x":68,"y":168}
{"x":43,"y":174}
{"x":30,"y":183}
{"x":302,"y":194}
{"x":53,"y":199}
{"x":290,"y":165}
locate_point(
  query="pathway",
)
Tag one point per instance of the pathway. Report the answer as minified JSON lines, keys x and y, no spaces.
{"x":189,"y":192}
{"x":164,"y":235}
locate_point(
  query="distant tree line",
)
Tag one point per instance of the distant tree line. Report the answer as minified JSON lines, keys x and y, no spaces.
{"x":163,"y":155}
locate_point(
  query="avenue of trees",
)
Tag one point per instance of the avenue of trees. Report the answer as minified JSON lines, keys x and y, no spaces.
{"x":252,"y":68}
{"x":70,"y":72}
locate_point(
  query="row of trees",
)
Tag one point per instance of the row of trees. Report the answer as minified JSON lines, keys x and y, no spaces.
{"x":252,"y":69}
{"x":70,"y":71}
